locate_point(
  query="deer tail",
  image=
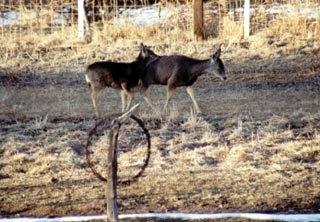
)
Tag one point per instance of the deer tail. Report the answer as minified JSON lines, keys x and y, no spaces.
{"x":88,"y":81}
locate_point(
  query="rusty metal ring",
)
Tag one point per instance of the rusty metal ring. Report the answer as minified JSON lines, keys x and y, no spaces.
{"x":108,"y":121}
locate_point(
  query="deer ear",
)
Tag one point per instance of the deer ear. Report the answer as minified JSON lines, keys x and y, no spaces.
{"x":217,"y":54}
{"x":143,"y":51}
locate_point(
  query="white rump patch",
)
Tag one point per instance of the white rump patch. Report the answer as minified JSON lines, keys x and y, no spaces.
{"x":87,"y":79}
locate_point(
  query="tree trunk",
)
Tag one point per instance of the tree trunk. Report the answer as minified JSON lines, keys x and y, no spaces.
{"x":198,"y":29}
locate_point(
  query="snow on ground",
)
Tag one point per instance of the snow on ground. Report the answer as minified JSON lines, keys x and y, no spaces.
{"x":8,"y":18}
{"x":183,"y":216}
{"x":143,"y":16}
{"x":290,"y":10}
{"x":151,"y":15}
{"x":14,"y":18}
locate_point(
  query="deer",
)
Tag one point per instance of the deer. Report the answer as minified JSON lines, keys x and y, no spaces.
{"x":180,"y":71}
{"x":125,"y":77}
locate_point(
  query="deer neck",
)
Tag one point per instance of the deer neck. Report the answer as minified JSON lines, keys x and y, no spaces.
{"x":200,"y":67}
{"x":142,"y":65}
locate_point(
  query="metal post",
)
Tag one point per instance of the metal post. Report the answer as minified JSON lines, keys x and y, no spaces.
{"x":81,"y":18}
{"x":246,"y":20}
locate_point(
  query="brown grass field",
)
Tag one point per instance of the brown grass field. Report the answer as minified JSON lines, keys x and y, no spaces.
{"x":255,"y":148}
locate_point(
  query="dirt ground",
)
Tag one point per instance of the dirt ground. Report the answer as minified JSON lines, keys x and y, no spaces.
{"x":255,"y":148}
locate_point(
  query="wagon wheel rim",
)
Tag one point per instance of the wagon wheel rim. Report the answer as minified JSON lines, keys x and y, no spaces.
{"x":107,"y":121}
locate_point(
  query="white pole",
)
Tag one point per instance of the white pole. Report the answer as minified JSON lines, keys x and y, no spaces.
{"x":81,"y":18}
{"x":246,"y":19}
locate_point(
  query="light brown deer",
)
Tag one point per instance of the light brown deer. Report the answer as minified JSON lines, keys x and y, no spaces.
{"x":180,"y":71}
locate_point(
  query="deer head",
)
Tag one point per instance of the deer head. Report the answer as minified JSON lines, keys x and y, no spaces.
{"x":145,"y":52}
{"x":216,"y":66}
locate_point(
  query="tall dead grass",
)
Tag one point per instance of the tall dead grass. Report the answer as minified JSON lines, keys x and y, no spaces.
{"x":61,"y":48}
{"x":294,"y":26}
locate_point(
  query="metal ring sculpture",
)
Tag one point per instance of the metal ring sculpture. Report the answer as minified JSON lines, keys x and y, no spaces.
{"x":107,"y":122}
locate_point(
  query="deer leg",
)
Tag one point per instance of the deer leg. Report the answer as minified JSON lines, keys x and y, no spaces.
{"x":170,"y":91}
{"x":94,"y":96}
{"x":128,"y":94}
{"x":130,"y":98}
{"x":148,"y":100}
{"x":191,"y":94}
{"x":123,"y":100}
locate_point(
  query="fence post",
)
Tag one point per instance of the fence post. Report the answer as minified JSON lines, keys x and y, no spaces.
{"x":81,"y":18}
{"x":111,"y":189}
{"x":246,"y":25}
{"x":198,"y":29}
{"x":112,"y":166}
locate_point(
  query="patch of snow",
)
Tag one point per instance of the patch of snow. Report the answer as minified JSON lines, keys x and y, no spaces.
{"x":59,"y":19}
{"x":285,"y":10}
{"x":148,"y":15}
{"x":8,"y":18}
{"x":14,"y":18}
{"x":183,"y":216}
{"x":289,"y":10}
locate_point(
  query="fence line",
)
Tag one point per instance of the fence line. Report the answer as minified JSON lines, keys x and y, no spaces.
{"x":81,"y":14}
{"x":18,"y":18}
{"x":246,"y":23}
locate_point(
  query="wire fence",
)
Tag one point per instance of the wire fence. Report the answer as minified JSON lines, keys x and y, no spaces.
{"x":18,"y":18}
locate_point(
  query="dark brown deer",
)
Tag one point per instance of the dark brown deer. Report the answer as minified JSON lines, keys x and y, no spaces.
{"x":177,"y":71}
{"x":120,"y":76}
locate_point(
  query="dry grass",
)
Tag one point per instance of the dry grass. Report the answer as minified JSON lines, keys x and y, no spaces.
{"x":199,"y":163}
{"x":61,"y":48}
{"x":255,"y":148}
{"x":194,"y":167}
{"x":297,"y":26}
